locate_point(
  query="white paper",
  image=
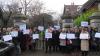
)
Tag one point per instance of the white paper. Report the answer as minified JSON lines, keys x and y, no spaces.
{"x":70,"y":36}
{"x":48,"y":35}
{"x":63,"y":36}
{"x":14,"y":33}
{"x":35,"y":36}
{"x":83,"y":23}
{"x":41,"y":28}
{"x":57,"y":27}
{"x":97,"y":35}
{"x":7,"y":37}
{"x":84,"y":36}
{"x":27,"y":31}
{"x":22,"y":27}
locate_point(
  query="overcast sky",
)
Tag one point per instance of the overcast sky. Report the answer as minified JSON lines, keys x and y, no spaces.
{"x":56,"y":5}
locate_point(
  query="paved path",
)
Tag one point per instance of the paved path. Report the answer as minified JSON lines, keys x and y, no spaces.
{"x":42,"y":53}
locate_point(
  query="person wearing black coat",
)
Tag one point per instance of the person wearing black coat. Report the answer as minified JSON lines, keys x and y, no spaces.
{"x":21,"y":37}
{"x":56,"y":40}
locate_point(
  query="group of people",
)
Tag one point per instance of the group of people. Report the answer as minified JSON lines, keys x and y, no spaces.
{"x":21,"y":40}
{"x":77,"y":44}
{"x":25,"y":41}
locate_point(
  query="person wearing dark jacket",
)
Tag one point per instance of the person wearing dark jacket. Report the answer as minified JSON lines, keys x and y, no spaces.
{"x":21,"y":37}
{"x":35,"y":41}
{"x":56,"y":40}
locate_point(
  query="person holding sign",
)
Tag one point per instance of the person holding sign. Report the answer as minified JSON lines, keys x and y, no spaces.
{"x":55,"y":37}
{"x":35,"y":40}
{"x":14,"y":34}
{"x":62,"y":38}
{"x":16,"y":40}
{"x":84,"y":36}
{"x":48,"y":40}
{"x":77,"y":40}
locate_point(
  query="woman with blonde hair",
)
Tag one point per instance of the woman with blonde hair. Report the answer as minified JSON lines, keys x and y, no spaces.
{"x":85,"y":42}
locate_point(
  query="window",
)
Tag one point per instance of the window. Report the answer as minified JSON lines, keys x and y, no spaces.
{"x":67,"y":9}
{"x":68,"y":20}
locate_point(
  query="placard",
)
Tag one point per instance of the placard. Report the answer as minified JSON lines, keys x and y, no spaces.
{"x":57,"y":27}
{"x":84,"y":36}
{"x":71,"y":36}
{"x":35,"y":36}
{"x":22,"y":27}
{"x":7,"y":37}
{"x":27,"y":31}
{"x":48,"y":35}
{"x":84,"y":23}
{"x":97,"y":35}
{"x":14,"y":33}
{"x":63,"y":36}
{"x":41,"y":28}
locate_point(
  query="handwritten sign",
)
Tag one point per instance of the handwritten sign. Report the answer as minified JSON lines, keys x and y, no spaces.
{"x":7,"y":37}
{"x":70,"y":36}
{"x":27,"y":31}
{"x":57,"y":27}
{"x":22,"y":27}
{"x":48,"y":35}
{"x":84,"y":24}
{"x":14,"y":33}
{"x":41,"y":28}
{"x":97,"y":35}
{"x":84,"y":36}
{"x":35,"y":36}
{"x":63,"y":36}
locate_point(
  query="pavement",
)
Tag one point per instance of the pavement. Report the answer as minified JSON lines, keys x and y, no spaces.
{"x":42,"y":53}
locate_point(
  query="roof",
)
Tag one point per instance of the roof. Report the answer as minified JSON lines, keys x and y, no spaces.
{"x":72,"y":10}
{"x":89,"y":4}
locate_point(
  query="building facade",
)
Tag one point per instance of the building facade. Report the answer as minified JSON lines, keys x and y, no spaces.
{"x":94,"y":17}
{"x":69,"y":13}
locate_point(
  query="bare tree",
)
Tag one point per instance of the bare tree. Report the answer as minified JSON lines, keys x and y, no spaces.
{"x":25,"y":5}
{"x":8,"y":11}
{"x":36,"y":8}
{"x":14,"y":8}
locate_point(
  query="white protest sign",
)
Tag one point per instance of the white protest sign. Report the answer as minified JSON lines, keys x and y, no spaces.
{"x":14,"y":33}
{"x":97,"y":35}
{"x":84,"y":24}
{"x":84,"y":36}
{"x":7,"y":37}
{"x":27,"y":31}
{"x":41,"y":28}
{"x":63,"y":36}
{"x":35,"y":36}
{"x":70,"y":36}
{"x":22,"y":27}
{"x":57,"y":27}
{"x":48,"y":35}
